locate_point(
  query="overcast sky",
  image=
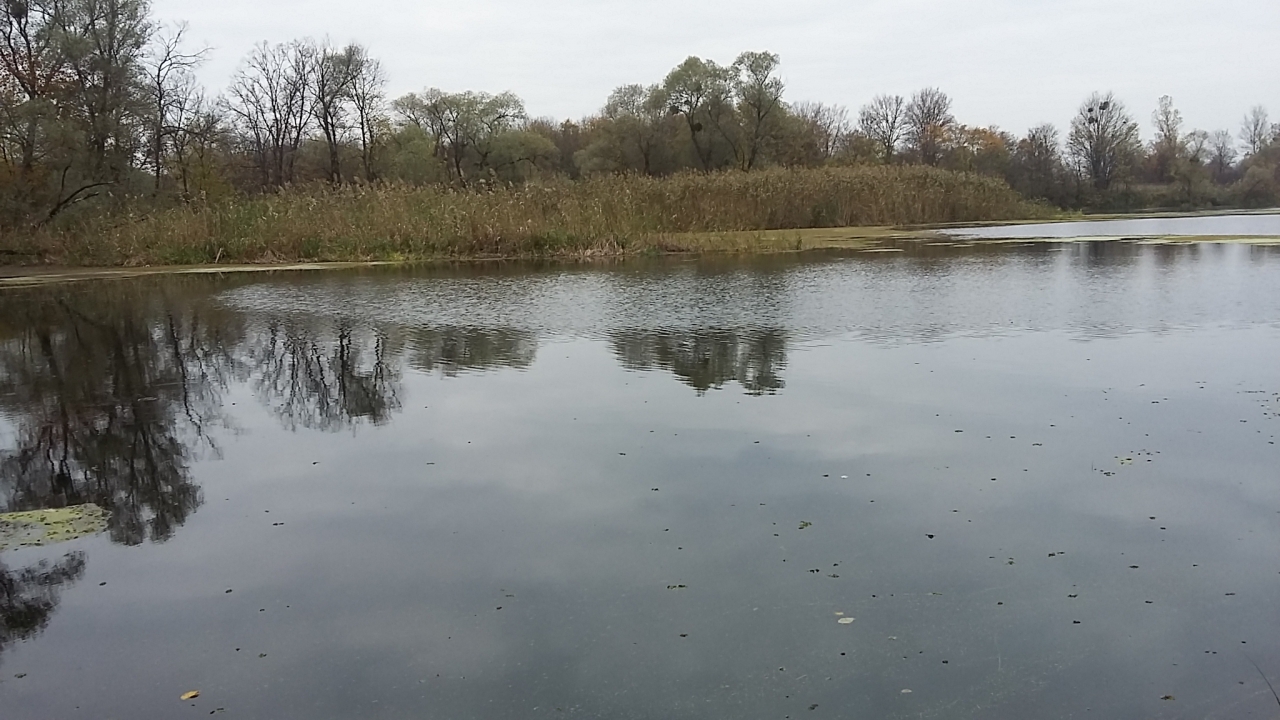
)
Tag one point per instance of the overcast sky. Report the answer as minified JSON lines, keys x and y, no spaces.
{"x":1011,"y":63}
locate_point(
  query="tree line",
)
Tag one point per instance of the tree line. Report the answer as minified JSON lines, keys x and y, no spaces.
{"x":100,"y":108}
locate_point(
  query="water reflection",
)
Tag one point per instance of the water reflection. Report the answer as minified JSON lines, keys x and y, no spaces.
{"x":453,"y":350}
{"x":327,"y":381}
{"x":708,"y":359}
{"x":112,"y":395}
{"x":29,"y":595}
{"x":571,"y":536}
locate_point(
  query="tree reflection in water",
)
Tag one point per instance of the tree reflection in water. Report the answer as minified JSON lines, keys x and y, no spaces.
{"x":29,"y":596}
{"x":312,"y":381}
{"x":707,"y":359}
{"x":109,"y":393}
{"x":113,"y":394}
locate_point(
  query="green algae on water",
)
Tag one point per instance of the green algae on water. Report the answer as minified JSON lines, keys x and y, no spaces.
{"x":34,"y":528}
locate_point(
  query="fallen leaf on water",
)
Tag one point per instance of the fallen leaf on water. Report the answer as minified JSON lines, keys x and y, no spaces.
{"x":845,"y":621}
{"x":906,"y":692}
{"x":190,"y":695}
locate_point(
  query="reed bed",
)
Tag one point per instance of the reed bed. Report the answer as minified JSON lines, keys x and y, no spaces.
{"x":608,"y":215}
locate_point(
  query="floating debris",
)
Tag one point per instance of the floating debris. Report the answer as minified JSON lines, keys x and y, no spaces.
{"x":190,"y":695}
{"x":805,"y":524}
{"x":846,"y":621}
{"x":35,"y":528}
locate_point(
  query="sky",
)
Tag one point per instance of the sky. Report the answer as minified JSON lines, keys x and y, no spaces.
{"x":1010,"y":63}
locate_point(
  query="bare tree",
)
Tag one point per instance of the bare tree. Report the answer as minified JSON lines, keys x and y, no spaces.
{"x":270,"y":102}
{"x":201,"y":128}
{"x":368,"y":89}
{"x":828,"y":124}
{"x":1103,"y":139}
{"x":928,"y":118}
{"x":1035,"y":167}
{"x":1255,"y":131}
{"x":883,"y":120}
{"x":171,"y":90}
{"x":333,"y":76}
{"x":1222,"y":155}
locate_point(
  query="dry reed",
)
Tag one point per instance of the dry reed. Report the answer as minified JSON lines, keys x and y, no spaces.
{"x":608,"y":215}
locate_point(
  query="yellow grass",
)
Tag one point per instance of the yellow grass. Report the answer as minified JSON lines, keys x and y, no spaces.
{"x":603,"y":216}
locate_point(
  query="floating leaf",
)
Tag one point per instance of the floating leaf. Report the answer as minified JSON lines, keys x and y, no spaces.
{"x":845,"y":621}
{"x":190,"y":695}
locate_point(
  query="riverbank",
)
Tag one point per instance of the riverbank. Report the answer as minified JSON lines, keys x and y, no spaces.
{"x":607,"y":216}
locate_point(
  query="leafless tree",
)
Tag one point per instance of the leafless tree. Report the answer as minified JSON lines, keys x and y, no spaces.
{"x":333,"y":77}
{"x":829,"y":126}
{"x":1255,"y":131}
{"x":1222,"y":150}
{"x":270,"y":102}
{"x":928,"y":117}
{"x":1103,"y":139}
{"x":883,"y":121}
{"x":171,"y":90}
{"x":368,"y":96}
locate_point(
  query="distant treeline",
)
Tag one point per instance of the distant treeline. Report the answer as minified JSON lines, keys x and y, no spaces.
{"x":101,"y":113}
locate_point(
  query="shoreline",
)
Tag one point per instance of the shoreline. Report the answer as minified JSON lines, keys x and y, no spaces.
{"x":734,"y":243}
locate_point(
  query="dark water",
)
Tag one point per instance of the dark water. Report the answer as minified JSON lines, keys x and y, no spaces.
{"x":1044,"y":480}
{"x":1246,"y":225}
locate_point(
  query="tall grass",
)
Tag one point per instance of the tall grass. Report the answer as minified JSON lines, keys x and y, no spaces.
{"x":598,"y":216}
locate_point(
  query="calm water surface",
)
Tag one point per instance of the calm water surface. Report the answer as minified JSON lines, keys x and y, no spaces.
{"x":1042,"y":480}
{"x":1246,"y":225}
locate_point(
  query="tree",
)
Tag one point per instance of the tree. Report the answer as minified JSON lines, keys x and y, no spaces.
{"x":826,"y":129}
{"x":71,"y":108}
{"x":1103,"y":140}
{"x":1167,"y":147}
{"x":368,"y":96}
{"x":1255,"y":131}
{"x":758,"y":92}
{"x":270,"y":103}
{"x":884,"y":120}
{"x":1222,"y":155}
{"x":629,"y":133}
{"x":465,"y":127}
{"x":333,"y":79}
{"x":928,"y":119}
{"x":700,"y":91}
{"x":104,"y":44}
{"x":172,"y":92}
{"x":1189,"y":169}
{"x":1035,"y":166}
{"x":35,"y":75}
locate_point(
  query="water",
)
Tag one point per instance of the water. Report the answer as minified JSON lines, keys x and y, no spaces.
{"x":1245,"y":225}
{"x":651,"y":489}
